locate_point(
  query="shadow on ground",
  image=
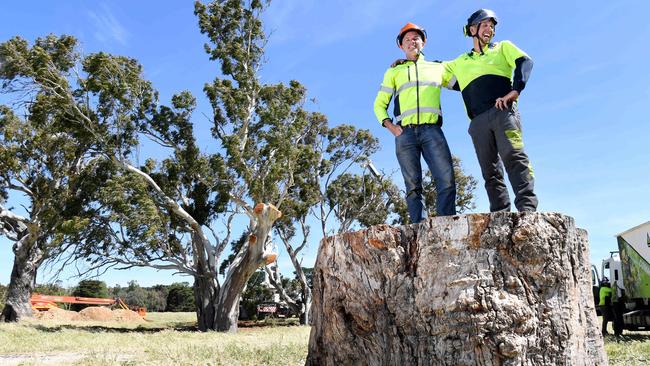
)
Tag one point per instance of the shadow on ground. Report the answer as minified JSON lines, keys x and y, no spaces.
{"x":179,"y":327}
{"x":628,"y":338}
{"x":107,"y":329}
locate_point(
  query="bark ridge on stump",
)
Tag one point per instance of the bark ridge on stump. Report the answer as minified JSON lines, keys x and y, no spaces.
{"x":478,"y":289}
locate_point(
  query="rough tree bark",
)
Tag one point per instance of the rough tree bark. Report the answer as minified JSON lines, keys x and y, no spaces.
{"x":206,"y":286}
{"x":482,"y":289}
{"x":28,"y":258}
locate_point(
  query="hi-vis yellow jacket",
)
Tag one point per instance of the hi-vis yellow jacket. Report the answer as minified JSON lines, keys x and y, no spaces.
{"x":415,"y":87}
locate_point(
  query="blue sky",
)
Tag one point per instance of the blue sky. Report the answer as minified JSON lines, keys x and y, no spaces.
{"x":584,"y":111}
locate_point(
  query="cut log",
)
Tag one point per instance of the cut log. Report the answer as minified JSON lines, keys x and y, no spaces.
{"x":480,"y":289}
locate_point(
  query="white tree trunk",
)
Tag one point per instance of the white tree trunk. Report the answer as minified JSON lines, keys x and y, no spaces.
{"x":306,"y":291}
{"x":276,"y":281}
{"x":251,"y":257}
{"x":482,"y":289}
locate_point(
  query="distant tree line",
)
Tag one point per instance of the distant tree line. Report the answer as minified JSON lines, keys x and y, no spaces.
{"x":177,"y":297}
{"x":3,"y":295}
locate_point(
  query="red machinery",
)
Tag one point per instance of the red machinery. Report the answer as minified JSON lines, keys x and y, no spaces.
{"x":46,"y":302}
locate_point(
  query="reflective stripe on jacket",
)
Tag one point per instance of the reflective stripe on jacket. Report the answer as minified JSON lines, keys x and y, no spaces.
{"x":415,"y":90}
{"x":604,"y":293}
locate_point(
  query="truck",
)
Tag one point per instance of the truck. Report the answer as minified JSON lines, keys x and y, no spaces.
{"x":273,"y":310}
{"x":628,"y":270}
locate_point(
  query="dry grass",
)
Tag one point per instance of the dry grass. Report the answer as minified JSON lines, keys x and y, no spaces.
{"x":166,"y":339}
{"x":631,"y":349}
{"x":172,"y":339}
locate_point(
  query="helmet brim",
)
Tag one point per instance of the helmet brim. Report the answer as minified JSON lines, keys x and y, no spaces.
{"x":422,"y":32}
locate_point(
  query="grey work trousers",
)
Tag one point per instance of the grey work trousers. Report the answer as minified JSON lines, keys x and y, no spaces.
{"x":497,"y":136}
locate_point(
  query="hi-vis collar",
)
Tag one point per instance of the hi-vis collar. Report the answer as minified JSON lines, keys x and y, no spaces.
{"x":489,"y":45}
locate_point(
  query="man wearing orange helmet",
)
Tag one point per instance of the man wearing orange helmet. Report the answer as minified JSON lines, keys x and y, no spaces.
{"x":414,"y":87}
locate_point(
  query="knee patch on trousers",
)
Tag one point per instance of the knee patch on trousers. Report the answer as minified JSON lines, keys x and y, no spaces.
{"x":515,"y":138}
{"x":530,"y":170}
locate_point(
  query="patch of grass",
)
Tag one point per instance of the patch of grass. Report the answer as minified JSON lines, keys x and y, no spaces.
{"x":631,"y":349}
{"x":167,"y":339}
{"x":172,"y":339}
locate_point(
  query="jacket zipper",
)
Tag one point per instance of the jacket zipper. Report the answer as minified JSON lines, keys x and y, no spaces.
{"x":417,"y":91}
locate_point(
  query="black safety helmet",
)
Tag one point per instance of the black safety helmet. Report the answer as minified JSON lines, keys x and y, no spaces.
{"x":477,"y":17}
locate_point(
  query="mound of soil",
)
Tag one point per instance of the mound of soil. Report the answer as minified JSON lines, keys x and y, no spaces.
{"x":93,"y":313}
{"x":122,"y":315}
{"x":57,"y":314}
{"x":96,"y":313}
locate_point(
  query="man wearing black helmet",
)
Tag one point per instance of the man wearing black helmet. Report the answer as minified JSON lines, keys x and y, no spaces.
{"x":414,"y":87}
{"x":491,"y":77}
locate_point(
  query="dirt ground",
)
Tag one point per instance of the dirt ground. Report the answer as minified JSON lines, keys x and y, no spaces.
{"x":93,"y":313}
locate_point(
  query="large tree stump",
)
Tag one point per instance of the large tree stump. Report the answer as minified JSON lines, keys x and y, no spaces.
{"x":481,"y":289}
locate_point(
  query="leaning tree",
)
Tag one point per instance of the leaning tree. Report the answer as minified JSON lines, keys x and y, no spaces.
{"x":43,"y":160}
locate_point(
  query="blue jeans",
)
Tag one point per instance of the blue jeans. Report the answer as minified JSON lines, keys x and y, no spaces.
{"x":429,"y":142}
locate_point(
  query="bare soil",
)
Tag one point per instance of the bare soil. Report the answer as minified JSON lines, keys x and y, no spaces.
{"x":93,"y":313}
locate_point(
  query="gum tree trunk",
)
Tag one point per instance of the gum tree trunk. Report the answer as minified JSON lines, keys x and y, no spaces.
{"x":205,"y":299}
{"x":28,"y":257}
{"x":482,"y":289}
{"x":248,"y":260}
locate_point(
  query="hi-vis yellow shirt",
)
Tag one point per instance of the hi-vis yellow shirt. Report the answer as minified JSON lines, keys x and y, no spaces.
{"x":415,"y":88}
{"x":484,"y":77}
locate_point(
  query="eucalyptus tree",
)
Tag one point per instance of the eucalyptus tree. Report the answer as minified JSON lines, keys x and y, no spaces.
{"x":178,"y":213}
{"x":358,"y":198}
{"x":334,"y":151}
{"x":43,"y":158}
{"x":465,"y":187}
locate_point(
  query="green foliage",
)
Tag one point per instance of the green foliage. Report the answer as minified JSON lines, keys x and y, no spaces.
{"x":152,"y":298}
{"x":53,"y":289}
{"x":3,"y":295}
{"x":256,"y":292}
{"x":59,"y":123}
{"x":465,"y":186}
{"x":180,"y":298}
{"x":236,"y":247}
{"x":309,"y":274}
{"x":360,"y":198}
{"x":89,"y":288}
{"x":39,"y":153}
{"x":156,"y":298}
{"x":135,"y":295}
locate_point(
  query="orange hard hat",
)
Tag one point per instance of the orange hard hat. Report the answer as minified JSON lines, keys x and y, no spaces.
{"x":411,"y":27}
